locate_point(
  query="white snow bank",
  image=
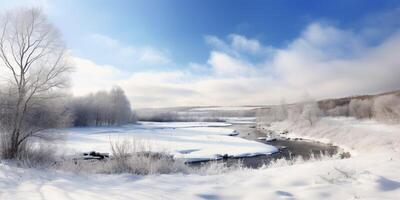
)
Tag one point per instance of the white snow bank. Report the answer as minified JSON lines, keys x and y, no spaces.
{"x":190,"y":141}
{"x":356,"y":178}
{"x":357,"y":136}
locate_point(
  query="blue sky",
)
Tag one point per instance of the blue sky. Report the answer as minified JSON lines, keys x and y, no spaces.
{"x":196,"y":49}
{"x":178,"y":27}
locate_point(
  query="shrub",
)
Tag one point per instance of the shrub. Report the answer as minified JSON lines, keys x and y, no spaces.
{"x":36,"y":155}
{"x":133,"y":157}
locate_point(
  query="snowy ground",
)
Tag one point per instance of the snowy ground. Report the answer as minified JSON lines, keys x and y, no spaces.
{"x":356,"y":136}
{"x":190,"y":141}
{"x":373,"y":173}
{"x":225,"y":108}
{"x":239,"y":120}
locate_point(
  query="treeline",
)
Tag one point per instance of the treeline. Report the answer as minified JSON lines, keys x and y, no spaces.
{"x":102,"y":108}
{"x":307,"y":111}
{"x":383,"y":108}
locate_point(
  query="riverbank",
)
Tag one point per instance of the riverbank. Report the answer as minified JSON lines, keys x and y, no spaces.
{"x":287,"y":148}
{"x":367,"y":175}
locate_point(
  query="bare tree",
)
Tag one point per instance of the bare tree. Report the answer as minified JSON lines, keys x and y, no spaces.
{"x":34,"y":56}
{"x":102,"y":108}
{"x":311,"y":112}
{"x":121,"y":108}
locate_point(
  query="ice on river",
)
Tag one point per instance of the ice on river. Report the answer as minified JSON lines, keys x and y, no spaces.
{"x":190,"y":141}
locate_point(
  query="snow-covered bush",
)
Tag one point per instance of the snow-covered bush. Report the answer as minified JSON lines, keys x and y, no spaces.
{"x":133,"y":157}
{"x":37,"y":155}
{"x":137,"y":158}
{"x":387,"y":109}
{"x":283,"y":162}
{"x":360,"y":109}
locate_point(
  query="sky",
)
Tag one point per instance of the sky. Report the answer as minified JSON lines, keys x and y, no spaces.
{"x":228,"y":52}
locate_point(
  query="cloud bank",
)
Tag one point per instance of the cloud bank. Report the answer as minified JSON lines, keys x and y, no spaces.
{"x":324,"y":61}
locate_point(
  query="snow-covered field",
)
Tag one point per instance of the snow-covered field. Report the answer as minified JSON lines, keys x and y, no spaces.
{"x":225,"y":108}
{"x":239,"y":120}
{"x":373,"y":173}
{"x":190,"y":141}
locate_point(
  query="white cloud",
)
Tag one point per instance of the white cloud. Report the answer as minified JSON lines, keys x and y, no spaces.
{"x":237,"y":45}
{"x":216,"y":42}
{"x":105,"y":40}
{"x":152,"y":55}
{"x":323,"y":61}
{"x":114,"y":51}
{"x":90,"y":77}
{"x":225,"y":65}
{"x":244,"y":44}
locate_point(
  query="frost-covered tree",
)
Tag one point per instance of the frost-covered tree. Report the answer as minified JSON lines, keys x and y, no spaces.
{"x":338,"y":111}
{"x":34,"y":65}
{"x":311,"y":112}
{"x":102,"y":108}
{"x":360,"y":108}
{"x":308,"y":111}
{"x":387,"y":108}
{"x":121,"y":109}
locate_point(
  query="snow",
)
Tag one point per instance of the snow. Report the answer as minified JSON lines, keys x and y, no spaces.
{"x":373,"y":173}
{"x":356,"y":136}
{"x":268,"y":139}
{"x":239,"y":120}
{"x":189,"y":141}
{"x":357,"y":178}
{"x":225,"y":108}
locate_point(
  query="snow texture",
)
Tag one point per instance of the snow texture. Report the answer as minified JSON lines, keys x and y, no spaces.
{"x":190,"y":141}
{"x":373,"y":173}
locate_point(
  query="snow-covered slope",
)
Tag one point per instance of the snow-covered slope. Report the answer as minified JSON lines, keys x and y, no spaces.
{"x":190,"y":141}
{"x":356,"y":136}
